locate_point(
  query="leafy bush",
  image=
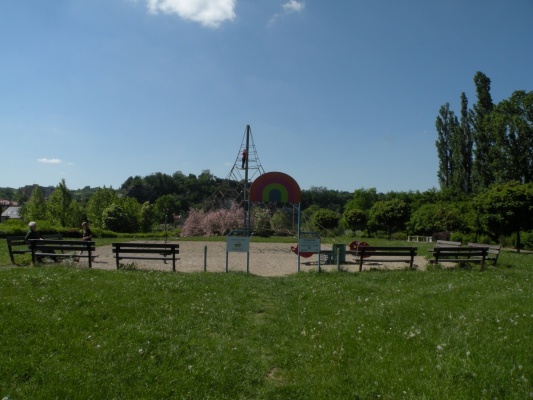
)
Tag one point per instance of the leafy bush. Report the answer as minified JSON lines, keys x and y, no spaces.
{"x":399,"y":236}
{"x":13,"y":227}
{"x":103,"y":233}
{"x":527,"y":240}
{"x":462,"y":237}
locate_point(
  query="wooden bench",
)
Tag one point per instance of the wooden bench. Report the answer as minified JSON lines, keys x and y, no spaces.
{"x":18,"y":245}
{"x":493,"y":251}
{"x":145,"y":251}
{"x":373,"y":253}
{"x":66,"y":248}
{"x":465,"y":254}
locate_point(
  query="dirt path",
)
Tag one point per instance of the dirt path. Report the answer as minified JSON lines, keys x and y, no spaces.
{"x":265,"y":259}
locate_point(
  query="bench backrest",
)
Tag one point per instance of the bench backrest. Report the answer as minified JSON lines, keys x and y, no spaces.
{"x":447,"y":243}
{"x":387,"y":250}
{"x":466,"y":251}
{"x":14,"y":242}
{"x":492,"y":248}
{"x":147,"y":248}
{"x":19,"y":240}
{"x":42,"y":246}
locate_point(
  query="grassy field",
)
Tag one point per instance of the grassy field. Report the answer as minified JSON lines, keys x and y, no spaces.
{"x":71,"y":333}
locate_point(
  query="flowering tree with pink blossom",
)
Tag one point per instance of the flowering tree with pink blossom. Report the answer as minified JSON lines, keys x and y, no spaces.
{"x":211,"y":223}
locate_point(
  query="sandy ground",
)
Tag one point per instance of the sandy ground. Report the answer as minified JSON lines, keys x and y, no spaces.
{"x":265,"y":259}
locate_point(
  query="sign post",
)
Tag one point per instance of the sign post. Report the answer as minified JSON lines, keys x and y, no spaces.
{"x":238,"y":241}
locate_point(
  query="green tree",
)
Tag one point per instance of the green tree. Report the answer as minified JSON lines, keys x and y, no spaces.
{"x":165,"y":206}
{"x":485,"y":151}
{"x":137,"y":188}
{"x":447,"y":130}
{"x":35,"y":208}
{"x":99,"y":201}
{"x":325,"y":219}
{"x":75,"y":214}
{"x":512,"y":122}
{"x":58,"y":206}
{"x":122,"y":216}
{"x":147,"y":217}
{"x":363,"y":199}
{"x":261,"y":224}
{"x":355,"y":219}
{"x":389,"y":215}
{"x":507,"y":208}
{"x":431,"y":218}
{"x":325,"y":198}
{"x":462,"y":143}
{"x":281,"y":223}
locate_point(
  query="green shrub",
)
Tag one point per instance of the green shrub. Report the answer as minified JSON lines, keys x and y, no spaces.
{"x":462,"y":237}
{"x":527,"y":240}
{"x":13,"y":227}
{"x":103,"y":233}
{"x":399,"y":236}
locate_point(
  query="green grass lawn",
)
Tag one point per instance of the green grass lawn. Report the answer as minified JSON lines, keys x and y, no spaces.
{"x":70,"y":333}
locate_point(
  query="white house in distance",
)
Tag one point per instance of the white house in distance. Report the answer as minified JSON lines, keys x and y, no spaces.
{"x":11,"y":213}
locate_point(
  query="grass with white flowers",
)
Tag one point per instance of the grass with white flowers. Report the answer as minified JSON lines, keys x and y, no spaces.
{"x":440,"y":334}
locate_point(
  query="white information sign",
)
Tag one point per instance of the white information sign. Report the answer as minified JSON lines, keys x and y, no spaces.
{"x":309,"y":245}
{"x":238,"y":244}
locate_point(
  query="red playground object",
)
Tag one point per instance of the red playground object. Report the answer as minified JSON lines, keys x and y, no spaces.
{"x":302,"y":254}
{"x":354,"y":246}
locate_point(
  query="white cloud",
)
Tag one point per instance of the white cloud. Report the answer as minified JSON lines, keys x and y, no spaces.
{"x":293,"y":6}
{"x":289,"y":7}
{"x":207,"y":12}
{"x":49,"y":160}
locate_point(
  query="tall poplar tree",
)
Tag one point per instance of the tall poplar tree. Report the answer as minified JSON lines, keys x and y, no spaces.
{"x":464,"y":149}
{"x":485,"y":152}
{"x":447,"y":126}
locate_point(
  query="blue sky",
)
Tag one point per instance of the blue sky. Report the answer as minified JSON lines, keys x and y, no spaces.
{"x":339,"y":94}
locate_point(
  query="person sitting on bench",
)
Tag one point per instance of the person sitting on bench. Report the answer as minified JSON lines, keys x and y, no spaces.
{"x":33,"y":234}
{"x":86,"y":235}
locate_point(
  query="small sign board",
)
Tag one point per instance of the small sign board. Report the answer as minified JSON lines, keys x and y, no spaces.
{"x":238,"y":244}
{"x":309,"y":244}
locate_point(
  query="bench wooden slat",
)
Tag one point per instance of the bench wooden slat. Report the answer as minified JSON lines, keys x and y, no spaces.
{"x":145,"y":258}
{"x":126,"y":245}
{"x":447,"y":243}
{"x":143,"y":251}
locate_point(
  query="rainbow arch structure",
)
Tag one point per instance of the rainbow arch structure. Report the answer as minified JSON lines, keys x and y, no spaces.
{"x":275,"y":187}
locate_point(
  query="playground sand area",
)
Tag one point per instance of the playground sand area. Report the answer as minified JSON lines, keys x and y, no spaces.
{"x":265,"y":259}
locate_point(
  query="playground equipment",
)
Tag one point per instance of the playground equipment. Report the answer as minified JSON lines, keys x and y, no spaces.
{"x":294,"y":249}
{"x":354,"y":247}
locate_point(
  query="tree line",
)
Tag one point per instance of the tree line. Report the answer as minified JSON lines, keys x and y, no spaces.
{"x":502,"y":212}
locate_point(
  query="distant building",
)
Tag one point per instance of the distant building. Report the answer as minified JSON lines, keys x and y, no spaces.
{"x":7,"y":203}
{"x":11,"y":213}
{"x":47,"y":191}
